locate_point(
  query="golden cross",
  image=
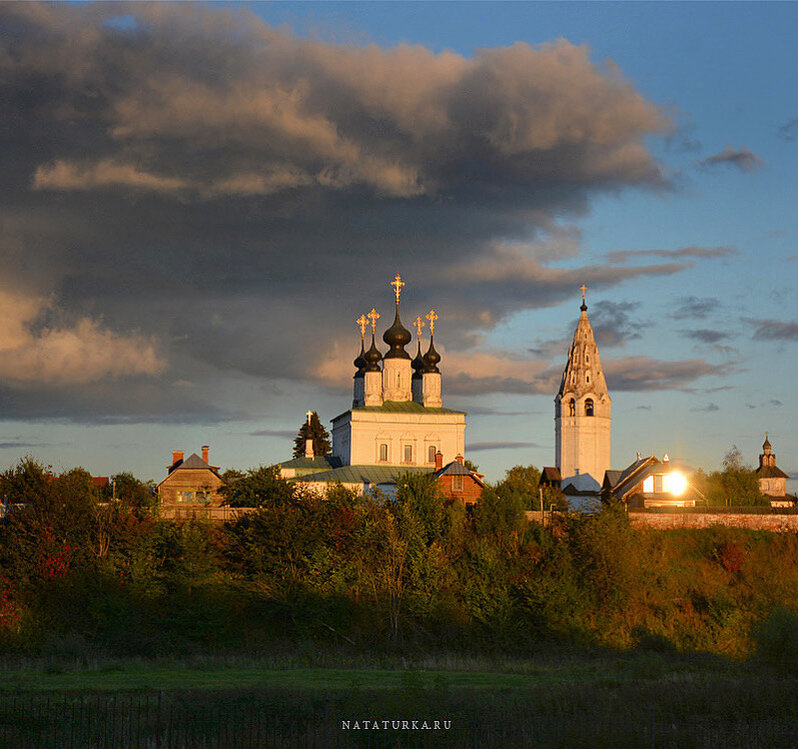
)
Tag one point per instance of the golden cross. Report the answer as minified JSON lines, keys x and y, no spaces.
{"x":584,"y":289}
{"x":363,"y":322}
{"x":397,"y":284}
{"x":309,"y":414}
{"x":432,"y":317}
{"x":419,"y":324}
{"x":373,"y":316}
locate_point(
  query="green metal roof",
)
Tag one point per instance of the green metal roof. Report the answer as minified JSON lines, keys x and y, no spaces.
{"x":364,"y":474}
{"x":319,"y":463}
{"x":406,"y":407}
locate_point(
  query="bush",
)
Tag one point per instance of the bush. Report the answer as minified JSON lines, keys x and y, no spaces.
{"x":776,"y":640}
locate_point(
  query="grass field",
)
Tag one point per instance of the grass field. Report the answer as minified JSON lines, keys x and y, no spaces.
{"x":299,"y":697}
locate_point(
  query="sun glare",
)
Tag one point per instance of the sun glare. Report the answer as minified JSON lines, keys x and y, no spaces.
{"x":676,"y":483}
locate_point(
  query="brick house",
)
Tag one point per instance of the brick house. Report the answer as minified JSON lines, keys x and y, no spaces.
{"x":457,"y":482}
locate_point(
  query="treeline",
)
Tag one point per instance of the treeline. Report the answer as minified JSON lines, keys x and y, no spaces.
{"x":78,"y":571}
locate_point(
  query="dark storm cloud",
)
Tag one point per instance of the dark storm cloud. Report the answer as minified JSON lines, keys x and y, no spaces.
{"x":704,"y":335}
{"x":693,"y":251}
{"x":14,"y":445}
{"x":282,"y":433}
{"x":744,"y":159}
{"x":483,"y":446}
{"x":789,"y":130}
{"x":643,"y":373}
{"x":227,"y":197}
{"x":632,"y":373}
{"x":773,"y":330}
{"x":613,"y":323}
{"x":694,"y":307}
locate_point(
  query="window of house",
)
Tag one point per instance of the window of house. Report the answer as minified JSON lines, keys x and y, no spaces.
{"x":589,"y":407}
{"x":185,"y":496}
{"x":408,"y":453}
{"x":572,"y":407}
{"x":658,"y":483}
{"x":383,"y":452}
{"x":457,"y":483}
{"x":648,"y":485}
{"x":431,"y":454}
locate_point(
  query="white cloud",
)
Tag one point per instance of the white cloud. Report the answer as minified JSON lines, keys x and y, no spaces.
{"x":82,"y":353}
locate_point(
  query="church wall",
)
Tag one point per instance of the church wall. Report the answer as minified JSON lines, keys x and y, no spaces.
{"x":357,"y":438}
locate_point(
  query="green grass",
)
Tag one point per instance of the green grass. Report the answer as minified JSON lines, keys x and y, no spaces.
{"x":331,"y":672}
{"x":556,"y":697}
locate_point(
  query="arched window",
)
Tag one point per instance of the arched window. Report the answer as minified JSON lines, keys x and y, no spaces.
{"x":589,"y":407}
{"x":572,"y":407}
{"x":431,"y":454}
{"x":383,"y":452}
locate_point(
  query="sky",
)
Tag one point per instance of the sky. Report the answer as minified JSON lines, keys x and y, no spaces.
{"x":197,"y":201}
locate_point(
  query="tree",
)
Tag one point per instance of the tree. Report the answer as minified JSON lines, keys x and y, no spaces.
{"x":498,"y":514}
{"x":257,"y":487}
{"x":736,"y":485}
{"x":521,"y":484}
{"x":314,"y":430}
{"x":132,"y":492}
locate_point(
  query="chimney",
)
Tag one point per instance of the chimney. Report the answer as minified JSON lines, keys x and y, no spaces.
{"x":205,"y":449}
{"x":438,"y":460}
{"x":177,"y":455}
{"x":666,"y":459}
{"x":459,"y":459}
{"x":639,"y":457}
{"x":309,"y":448}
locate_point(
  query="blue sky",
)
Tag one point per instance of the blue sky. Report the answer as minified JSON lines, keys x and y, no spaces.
{"x":713,"y":342}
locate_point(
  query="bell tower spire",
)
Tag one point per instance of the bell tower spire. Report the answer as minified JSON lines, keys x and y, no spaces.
{"x":582,"y":409}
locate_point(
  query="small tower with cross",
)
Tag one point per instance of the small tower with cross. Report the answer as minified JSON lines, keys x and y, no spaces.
{"x":372,"y":378}
{"x":396,"y":369}
{"x":431,"y":375}
{"x":582,"y":411}
{"x":418,"y":363}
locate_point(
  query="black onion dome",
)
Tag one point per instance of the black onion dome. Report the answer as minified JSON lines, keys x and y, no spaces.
{"x":372,"y":357}
{"x":361,"y":362}
{"x":418,"y":363}
{"x":431,"y":359}
{"x":397,"y":337}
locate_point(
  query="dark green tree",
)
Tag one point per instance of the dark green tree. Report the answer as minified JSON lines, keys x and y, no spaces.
{"x":132,"y":492}
{"x":258,"y":487}
{"x":314,"y":430}
{"x":498,"y":514}
{"x":734,"y":486}
{"x":520,"y":486}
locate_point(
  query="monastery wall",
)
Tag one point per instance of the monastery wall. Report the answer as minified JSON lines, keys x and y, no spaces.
{"x":668,"y":520}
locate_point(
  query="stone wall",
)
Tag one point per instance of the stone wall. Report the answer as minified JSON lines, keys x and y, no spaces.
{"x":764,"y":522}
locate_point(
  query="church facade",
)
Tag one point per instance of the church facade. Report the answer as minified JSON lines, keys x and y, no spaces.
{"x":397,"y":423}
{"x":582,"y":414}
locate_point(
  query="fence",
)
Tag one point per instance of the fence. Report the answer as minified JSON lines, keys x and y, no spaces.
{"x":186,"y":719}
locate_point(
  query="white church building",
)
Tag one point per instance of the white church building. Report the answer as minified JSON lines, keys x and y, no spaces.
{"x":397,"y":423}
